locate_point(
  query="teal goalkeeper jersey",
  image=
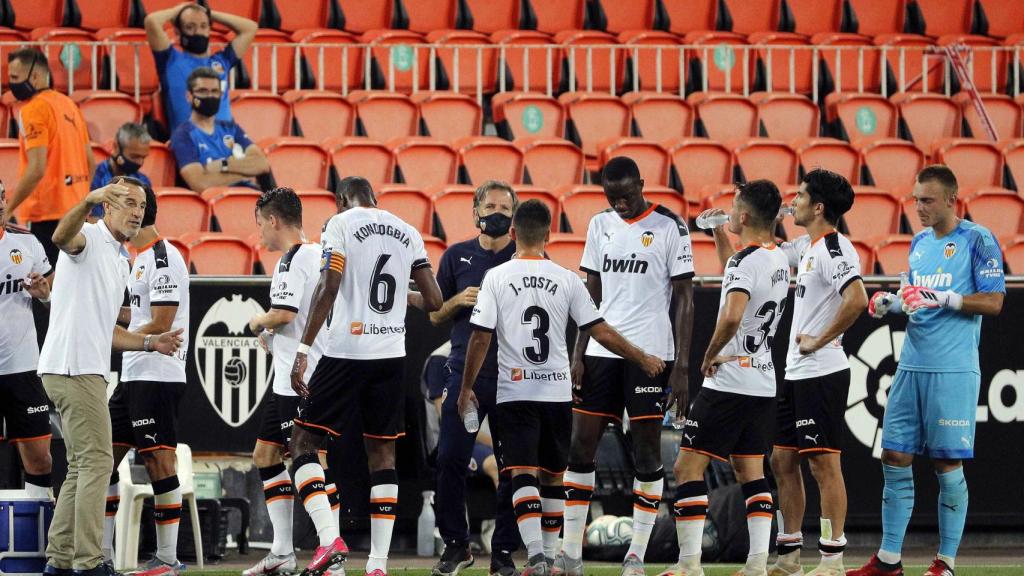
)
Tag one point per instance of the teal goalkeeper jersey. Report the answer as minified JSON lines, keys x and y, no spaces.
{"x":966,"y":261}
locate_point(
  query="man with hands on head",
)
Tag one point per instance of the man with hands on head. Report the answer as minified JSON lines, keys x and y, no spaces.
{"x":88,"y":289}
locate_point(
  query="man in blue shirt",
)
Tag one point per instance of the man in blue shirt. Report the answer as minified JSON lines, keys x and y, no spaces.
{"x":131,"y":147}
{"x":459,"y":276}
{"x":956,"y":277}
{"x":192,"y":23}
{"x":212,"y":152}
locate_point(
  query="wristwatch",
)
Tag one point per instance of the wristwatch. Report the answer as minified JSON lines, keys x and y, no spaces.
{"x":224,"y":165}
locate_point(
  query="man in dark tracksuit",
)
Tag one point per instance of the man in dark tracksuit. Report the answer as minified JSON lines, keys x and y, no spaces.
{"x":460,"y":274}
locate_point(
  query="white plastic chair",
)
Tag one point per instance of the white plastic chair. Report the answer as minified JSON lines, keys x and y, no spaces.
{"x":129,"y":513}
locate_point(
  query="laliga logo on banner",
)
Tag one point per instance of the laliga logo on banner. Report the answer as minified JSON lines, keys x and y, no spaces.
{"x":233,"y":368}
{"x":872,"y":369}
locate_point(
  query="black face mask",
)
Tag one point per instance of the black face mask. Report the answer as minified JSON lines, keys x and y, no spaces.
{"x":495,"y":225}
{"x":24,"y":90}
{"x":195,"y":43}
{"x":125,"y":165}
{"x":208,"y":106}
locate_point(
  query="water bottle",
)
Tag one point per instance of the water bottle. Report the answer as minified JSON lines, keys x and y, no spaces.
{"x":713,"y":221}
{"x":471,"y":420}
{"x":904,"y":280}
{"x":786,"y":211}
{"x":425,"y":526}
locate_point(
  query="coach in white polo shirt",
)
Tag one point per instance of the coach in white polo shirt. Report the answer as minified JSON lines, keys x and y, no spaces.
{"x":89,"y":286}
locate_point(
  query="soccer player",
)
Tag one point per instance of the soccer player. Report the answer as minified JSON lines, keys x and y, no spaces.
{"x":25,"y":273}
{"x":732,"y":416}
{"x":295,"y":276}
{"x":639,"y":263}
{"x":528,"y":302}
{"x":144,"y":405}
{"x":956,"y":277}
{"x":368,"y":255}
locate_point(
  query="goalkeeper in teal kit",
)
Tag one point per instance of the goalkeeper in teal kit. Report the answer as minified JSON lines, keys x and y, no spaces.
{"x":956,"y":277}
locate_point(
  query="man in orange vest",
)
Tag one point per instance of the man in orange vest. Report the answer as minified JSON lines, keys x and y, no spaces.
{"x":56,"y":162}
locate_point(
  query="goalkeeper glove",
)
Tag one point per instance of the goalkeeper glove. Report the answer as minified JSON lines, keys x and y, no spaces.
{"x":882,"y":303}
{"x":917,"y":298}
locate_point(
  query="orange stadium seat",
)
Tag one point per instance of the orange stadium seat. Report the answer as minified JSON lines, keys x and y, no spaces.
{"x":33,"y":14}
{"x":579,"y":206}
{"x":123,"y":58}
{"x":397,"y":61}
{"x":699,"y":164}
{"x":705,"y":256}
{"x":68,"y":50}
{"x":830,"y":154}
{"x":718,"y":62}
{"x":553,"y":16}
{"x":435,"y":249}
{"x":1002,"y":110}
{"x":232,"y":209}
{"x":453,"y":208}
{"x":1013,"y":154}
{"x":409,"y":204}
{"x":1013,"y":255}
{"x":594,"y":67}
{"x":317,"y":208}
{"x":750,"y":16}
{"x":296,"y":162}
{"x":989,"y":65}
{"x":490,"y":16}
{"x":566,"y":251}
{"x":874,"y":214}
{"x":976,"y":163}
{"x":1000,"y":212}
{"x":784,"y":116}
{"x":654,"y":51}
{"x":321,"y":114}
{"x":685,"y":16}
{"x":812,"y":17}
{"x":449,"y":116}
{"x":150,"y":6}
{"x":786,"y":66}
{"x":1005,"y":17}
{"x":105,"y":112}
{"x":651,"y":158}
{"x":910,"y":212}
{"x":424,"y":162}
{"x":181,"y":211}
{"x":304,"y":15}
{"x":620,"y":15}
{"x":265,"y":259}
{"x":722,"y":199}
{"x":159,"y":166}
{"x":342,"y":64}
{"x":261,"y":114}
{"x":96,"y":14}
{"x":928,"y":117}
{"x":725,"y":116}
{"x":551,"y":162}
{"x":892,"y":253}
{"x":465,"y":78}
{"x":527,"y":60}
{"x":384,"y":116}
{"x":99,"y":152}
{"x":842,"y":55}
{"x":527,"y":114}
{"x":862,"y":117}
{"x":942,"y":17}
{"x":906,"y":59}
{"x":5,"y":120}
{"x":669,"y":198}
{"x":489,"y":158}
{"x":876,"y":17}
{"x":659,"y":116}
{"x":357,"y":156}
{"x":359,"y":16}
{"x":259,"y":62}
{"x":867,"y":257}
{"x":218,"y":254}
{"x":525,"y":193}
{"x":763,"y":158}
{"x":594,"y":118}
{"x":893,"y":164}
{"x":425,"y":16}
{"x":248,"y":9}
{"x":13,"y":36}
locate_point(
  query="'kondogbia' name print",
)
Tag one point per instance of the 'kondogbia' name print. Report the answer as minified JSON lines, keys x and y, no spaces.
{"x":371,"y":229}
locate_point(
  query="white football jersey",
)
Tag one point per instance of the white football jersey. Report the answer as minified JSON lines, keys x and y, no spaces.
{"x":379,"y":251}
{"x":20,"y":254}
{"x":638,"y":259}
{"x":159,"y":277}
{"x":825,"y":268}
{"x":528,"y":302}
{"x":295,"y":278}
{"x":762,"y":272}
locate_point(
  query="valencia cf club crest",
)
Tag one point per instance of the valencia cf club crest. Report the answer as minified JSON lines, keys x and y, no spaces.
{"x":16,"y":256}
{"x":233,"y":368}
{"x":647,"y":238}
{"x":139,"y":272}
{"x":949,"y":250}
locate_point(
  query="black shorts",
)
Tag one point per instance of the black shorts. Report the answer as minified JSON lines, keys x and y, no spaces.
{"x":533,"y":435}
{"x":368,"y":390}
{"x":812,"y":413}
{"x":724,"y":424}
{"x":24,"y":407}
{"x":278,"y":418}
{"x":144,"y":414}
{"x":611,"y":385}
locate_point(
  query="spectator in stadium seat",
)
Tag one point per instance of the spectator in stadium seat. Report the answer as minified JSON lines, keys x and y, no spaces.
{"x":131,"y":147}
{"x":192,"y":23}
{"x":213,"y":152}
{"x":56,"y":162}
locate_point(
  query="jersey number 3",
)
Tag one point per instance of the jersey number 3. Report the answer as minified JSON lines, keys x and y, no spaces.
{"x":538,"y":318}
{"x":769,"y":312}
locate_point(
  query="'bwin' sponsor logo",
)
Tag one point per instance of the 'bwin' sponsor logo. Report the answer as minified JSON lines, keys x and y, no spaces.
{"x":939,"y":280}
{"x":630,"y":266}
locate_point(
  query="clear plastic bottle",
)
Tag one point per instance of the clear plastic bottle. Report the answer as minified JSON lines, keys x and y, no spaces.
{"x":471,"y":420}
{"x":425,"y":526}
{"x":713,"y":221}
